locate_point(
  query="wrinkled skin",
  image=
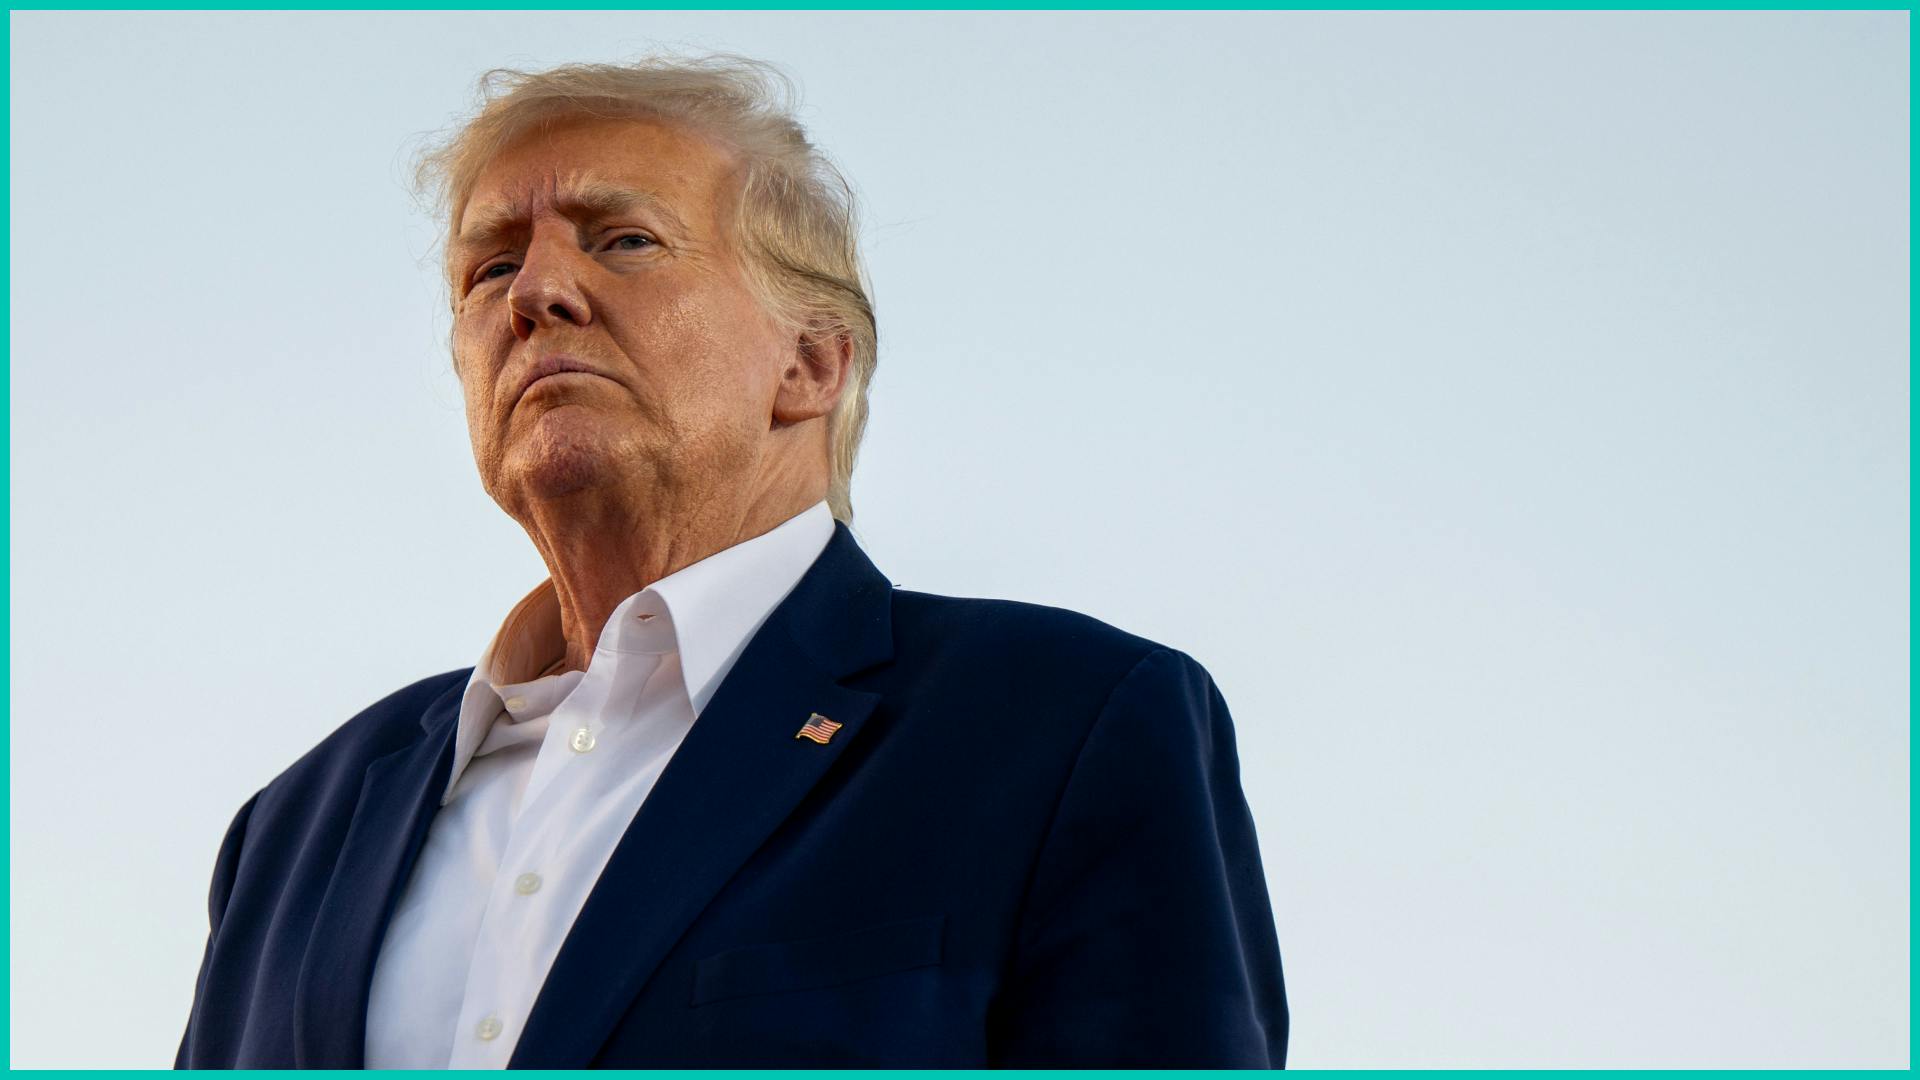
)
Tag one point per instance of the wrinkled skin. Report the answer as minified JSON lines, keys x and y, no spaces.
{"x":703,"y":424}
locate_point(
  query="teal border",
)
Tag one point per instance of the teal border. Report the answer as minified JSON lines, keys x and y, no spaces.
{"x":609,"y":5}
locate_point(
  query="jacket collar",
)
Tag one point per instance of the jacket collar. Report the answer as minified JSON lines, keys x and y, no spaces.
{"x":706,"y":611}
{"x":739,"y":773}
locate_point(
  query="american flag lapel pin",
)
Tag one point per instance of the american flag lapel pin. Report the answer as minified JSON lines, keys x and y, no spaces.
{"x":818,"y":728}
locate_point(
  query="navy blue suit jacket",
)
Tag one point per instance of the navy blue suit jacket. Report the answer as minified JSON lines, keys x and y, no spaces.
{"x":1027,"y":845}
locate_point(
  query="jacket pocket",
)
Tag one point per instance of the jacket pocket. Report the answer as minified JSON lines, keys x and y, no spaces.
{"x":818,"y":962}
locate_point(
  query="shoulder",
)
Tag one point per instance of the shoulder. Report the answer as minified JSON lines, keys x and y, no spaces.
{"x":1031,"y":645}
{"x":980,"y":622}
{"x":386,"y":725}
{"x":1102,"y":717}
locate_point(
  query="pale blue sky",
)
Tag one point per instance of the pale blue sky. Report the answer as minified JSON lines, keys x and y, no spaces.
{"x":1509,"y":409}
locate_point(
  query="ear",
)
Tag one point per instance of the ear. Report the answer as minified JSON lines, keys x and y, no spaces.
{"x":814,"y":377}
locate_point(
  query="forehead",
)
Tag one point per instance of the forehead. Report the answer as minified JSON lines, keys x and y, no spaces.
{"x":594,"y":165}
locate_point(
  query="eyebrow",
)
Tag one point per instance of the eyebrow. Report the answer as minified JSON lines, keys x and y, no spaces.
{"x":592,"y":200}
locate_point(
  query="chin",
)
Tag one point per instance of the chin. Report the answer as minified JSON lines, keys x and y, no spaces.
{"x":558,"y":462}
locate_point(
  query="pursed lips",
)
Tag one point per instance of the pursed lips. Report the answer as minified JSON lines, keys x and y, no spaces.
{"x":551,"y":365}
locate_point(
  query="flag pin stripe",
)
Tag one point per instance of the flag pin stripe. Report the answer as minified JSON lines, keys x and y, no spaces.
{"x":818,"y":728}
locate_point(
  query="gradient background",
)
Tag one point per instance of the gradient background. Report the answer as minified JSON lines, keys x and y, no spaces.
{"x":1509,"y":409}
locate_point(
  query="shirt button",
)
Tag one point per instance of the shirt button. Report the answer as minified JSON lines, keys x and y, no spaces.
{"x":516,"y":702}
{"x":488,"y":1028}
{"x":582,"y":741}
{"x":527,"y":884}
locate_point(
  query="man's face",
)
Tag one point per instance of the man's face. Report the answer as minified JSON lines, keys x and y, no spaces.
{"x":649,"y":296}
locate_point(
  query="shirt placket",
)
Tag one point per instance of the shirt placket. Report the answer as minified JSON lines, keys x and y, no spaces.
{"x":517,"y":928}
{"x":499,"y":991}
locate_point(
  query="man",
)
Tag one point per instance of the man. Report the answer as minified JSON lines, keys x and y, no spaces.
{"x":717,"y":793}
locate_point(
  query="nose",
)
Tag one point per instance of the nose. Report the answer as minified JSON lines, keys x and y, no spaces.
{"x":546,"y":289}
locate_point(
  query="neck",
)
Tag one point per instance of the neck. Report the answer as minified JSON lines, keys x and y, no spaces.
{"x":600,"y":551}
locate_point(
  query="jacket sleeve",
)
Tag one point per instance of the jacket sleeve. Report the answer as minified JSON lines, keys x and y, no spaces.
{"x":225,"y":865}
{"x":1147,"y":938}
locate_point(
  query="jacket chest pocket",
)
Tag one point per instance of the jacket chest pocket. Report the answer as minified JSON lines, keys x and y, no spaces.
{"x":817,"y":962}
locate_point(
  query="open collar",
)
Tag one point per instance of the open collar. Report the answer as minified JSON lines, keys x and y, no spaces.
{"x":740,"y":773}
{"x":706,"y":611}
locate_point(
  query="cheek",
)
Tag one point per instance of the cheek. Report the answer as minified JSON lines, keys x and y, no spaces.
{"x":717,"y":354}
{"x":474,"y":368}
{"x":464,"y":348}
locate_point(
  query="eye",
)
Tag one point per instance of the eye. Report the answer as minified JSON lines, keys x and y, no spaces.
{"x":487,"y":272}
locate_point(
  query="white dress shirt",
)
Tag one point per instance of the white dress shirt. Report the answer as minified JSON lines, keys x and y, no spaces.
{"x":548,"y":771}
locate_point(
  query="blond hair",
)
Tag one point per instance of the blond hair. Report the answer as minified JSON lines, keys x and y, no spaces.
{"x":795,"y":219}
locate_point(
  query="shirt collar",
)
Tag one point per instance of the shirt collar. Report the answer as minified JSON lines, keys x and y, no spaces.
{"x":707,"y":612}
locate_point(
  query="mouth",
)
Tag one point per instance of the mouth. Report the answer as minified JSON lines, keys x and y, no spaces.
{"x":546,"y":379}
{"x":550,"y":367}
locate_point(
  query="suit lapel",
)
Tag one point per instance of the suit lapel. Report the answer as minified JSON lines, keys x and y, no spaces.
{"x":398,"y":798}
{"x":738,"y":774}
